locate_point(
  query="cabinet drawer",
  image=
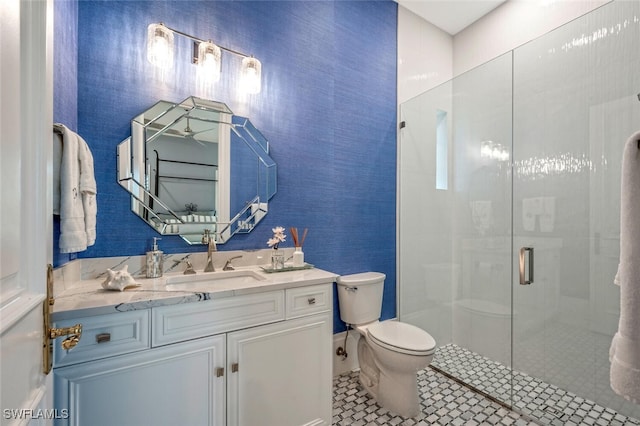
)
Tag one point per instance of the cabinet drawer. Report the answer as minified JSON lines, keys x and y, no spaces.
{"x":104,"y":336}
{"x":193,"y":320}
{"x":303,"y":301}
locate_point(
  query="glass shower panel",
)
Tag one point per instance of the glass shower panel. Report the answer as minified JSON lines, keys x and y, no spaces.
{"x":455,"y":231}
{"x":425,"y":265}
{"x":481,"y":305}
{"x":575,"y":104}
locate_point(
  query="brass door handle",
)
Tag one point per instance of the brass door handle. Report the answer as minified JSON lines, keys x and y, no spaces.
{"x":74,"y":333}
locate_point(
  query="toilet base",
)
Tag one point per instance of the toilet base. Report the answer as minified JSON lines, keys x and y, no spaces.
{"x":397,"y":392}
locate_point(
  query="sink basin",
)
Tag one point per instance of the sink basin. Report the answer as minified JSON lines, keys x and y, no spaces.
{"x":218,"y":279}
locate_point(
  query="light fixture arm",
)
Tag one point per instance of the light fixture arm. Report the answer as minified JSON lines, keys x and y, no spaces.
{"x":199,"y":40}
{"x":205,"y":53}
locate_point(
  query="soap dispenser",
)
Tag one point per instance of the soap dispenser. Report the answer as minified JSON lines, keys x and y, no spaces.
{"x":154,"y":260}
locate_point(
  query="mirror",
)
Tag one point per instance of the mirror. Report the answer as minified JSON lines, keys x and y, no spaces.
{"x":194,"y":166}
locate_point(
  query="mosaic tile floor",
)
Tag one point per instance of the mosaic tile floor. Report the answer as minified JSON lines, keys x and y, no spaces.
{"x":443,"y":401}
{"x":546,"y":403}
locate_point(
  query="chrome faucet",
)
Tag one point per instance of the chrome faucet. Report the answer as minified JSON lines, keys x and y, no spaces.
{"x":189,"y":269}
{"x":227,"y":265}
{"x":210,"y":240}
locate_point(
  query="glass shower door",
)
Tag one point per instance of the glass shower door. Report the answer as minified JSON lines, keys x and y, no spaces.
{"x":575,"y":104}
{"x":455,"y":223}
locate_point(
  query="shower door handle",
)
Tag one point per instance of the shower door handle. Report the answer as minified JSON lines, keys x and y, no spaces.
{"x":524,"y":281}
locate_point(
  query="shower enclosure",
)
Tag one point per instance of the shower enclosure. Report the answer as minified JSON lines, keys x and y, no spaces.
{"x":509,"y":216}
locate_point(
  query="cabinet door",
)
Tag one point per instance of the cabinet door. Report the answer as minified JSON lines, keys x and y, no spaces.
{"x":283,"y":374}
{"x":172,"y":385}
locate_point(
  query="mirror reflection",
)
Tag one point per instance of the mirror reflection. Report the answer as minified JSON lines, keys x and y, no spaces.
{"x":194,"y":166}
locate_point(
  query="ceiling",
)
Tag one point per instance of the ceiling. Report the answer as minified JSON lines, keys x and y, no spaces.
{"x":451,"y":16}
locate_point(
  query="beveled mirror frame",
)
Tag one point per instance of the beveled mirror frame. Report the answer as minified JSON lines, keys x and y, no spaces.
{"x":134,"y":171}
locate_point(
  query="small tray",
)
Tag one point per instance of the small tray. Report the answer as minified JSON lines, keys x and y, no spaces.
{"x":270,"y":270}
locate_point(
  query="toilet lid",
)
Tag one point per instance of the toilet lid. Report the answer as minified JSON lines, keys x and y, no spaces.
{"x":401,"y":337}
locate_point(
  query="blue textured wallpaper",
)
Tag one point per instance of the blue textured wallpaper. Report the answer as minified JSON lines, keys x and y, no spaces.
{"x":65,"y":90}
{"x":327,"y":106}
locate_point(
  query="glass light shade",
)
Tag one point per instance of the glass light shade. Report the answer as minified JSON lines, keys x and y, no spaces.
{"x":209,"y":60}
{"x":251,"y":75}
{"x":160,"y":45}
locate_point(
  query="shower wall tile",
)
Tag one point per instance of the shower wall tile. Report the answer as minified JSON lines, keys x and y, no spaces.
{"x":511,"y":25}
{"x":425,"y":55}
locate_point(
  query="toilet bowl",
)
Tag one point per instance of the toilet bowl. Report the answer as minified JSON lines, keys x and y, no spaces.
{"x":390,"y":353}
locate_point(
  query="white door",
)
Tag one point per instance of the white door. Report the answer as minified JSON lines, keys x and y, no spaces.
{"x":26,"y":104}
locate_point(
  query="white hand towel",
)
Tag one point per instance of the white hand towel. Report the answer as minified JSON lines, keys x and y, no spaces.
{"x":88,"y":189}
{"x":57,"y":160}
{"x":78,"y":207}
{"x":625,"y":347}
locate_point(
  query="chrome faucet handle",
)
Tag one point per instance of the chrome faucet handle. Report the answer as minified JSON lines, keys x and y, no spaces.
{"x":227,"y":265}
{"x":210,"y":240}
{"x":206,"y":236}
{"x":189,"y":269}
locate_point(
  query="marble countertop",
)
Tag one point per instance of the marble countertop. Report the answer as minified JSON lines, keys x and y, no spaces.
{"x":88,"y":298}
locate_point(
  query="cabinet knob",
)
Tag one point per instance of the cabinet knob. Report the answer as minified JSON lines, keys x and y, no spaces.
{"x":219,"y":372}
{"x":234,"y":367}
{"x":311,"y":300}
{"x":103,"y":337}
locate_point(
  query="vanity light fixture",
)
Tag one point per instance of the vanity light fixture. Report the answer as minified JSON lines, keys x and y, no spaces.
{"x":160,"y":46}
{"x":206,"y":54}
{"x":209,"y":60}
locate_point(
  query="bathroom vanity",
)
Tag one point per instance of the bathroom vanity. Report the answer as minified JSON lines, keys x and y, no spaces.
{"x":243,"y":347}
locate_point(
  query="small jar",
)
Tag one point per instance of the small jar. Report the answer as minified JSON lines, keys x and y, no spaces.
{"x":298,"y":257}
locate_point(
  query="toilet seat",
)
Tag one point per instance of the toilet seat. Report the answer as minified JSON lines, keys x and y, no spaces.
{"x":402,"y":338}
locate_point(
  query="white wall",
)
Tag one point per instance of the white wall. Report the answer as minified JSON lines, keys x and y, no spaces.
{"x":428,"y":56}
{"x":424,"y":55}
{"x":513,"y":24}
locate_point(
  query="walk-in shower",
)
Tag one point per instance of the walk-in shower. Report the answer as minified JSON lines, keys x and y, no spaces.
{"x":513,"y":164}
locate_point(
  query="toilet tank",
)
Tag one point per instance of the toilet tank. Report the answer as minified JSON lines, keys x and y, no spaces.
{"x":360,"y":297}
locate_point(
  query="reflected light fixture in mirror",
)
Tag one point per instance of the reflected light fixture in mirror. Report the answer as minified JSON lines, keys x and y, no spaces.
{"x":494,"y":151}
{"x":206,"y":54}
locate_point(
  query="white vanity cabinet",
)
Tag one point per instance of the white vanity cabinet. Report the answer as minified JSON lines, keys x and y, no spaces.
{"x":172,"y":385}
{"x":280,"y":374}
{"x":260,"y":359}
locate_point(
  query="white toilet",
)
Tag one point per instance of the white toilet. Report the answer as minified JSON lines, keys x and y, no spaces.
{"x":391,"y":352}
